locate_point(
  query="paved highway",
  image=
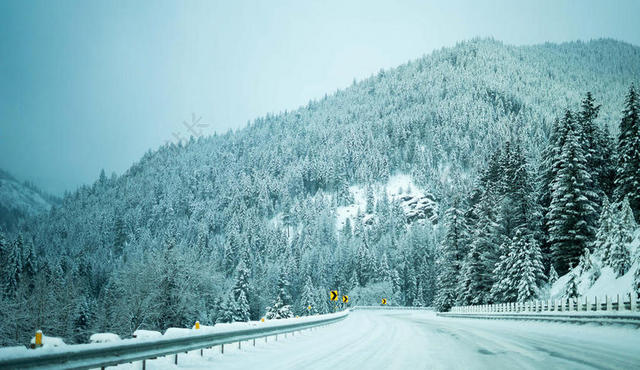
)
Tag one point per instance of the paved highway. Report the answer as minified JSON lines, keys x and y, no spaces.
{"x":421,"y":340}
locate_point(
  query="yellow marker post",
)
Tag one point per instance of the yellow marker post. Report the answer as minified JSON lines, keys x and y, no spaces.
{"x":197,"y":325}
{"x":38,"y":340}
{"x":262,"y":319}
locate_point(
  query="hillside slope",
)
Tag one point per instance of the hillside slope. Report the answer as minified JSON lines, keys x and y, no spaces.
{"x":271,"y":198}
{"x":20,"y":200}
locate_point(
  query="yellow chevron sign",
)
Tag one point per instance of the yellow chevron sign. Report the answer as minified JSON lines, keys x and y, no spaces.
{"x":384,"y":301}
{"x":345,"y":298}
{"x":334,"y":295}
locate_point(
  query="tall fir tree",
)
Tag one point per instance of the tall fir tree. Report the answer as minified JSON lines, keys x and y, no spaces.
{"x":620,"y":239}
{"x":571,"y":215}
{"x":451,"y":255}
{"x":476,"y":275}
{"x":603,"y":235}
{"x":528,"y":270}
{"x":627,"y":180}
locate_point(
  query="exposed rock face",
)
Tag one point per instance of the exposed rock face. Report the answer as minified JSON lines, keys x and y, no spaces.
{"x":420,"y":207}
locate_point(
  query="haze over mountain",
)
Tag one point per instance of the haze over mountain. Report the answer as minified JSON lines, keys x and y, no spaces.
{"x":348,"y":191}
{"x":19,"y":201}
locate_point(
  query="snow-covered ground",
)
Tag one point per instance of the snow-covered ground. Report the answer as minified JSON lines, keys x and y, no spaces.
{"x":421,"y":340}
{"x":608,"y":284}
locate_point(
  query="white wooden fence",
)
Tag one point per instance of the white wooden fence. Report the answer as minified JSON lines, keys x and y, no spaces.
{"x":627,"y":303}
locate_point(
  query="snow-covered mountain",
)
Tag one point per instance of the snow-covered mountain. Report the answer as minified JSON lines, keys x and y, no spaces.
{"x":20,"y":200}
{"x":264,"y":210}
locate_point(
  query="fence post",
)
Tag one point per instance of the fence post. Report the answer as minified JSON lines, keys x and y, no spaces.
{"x":620,"y":303}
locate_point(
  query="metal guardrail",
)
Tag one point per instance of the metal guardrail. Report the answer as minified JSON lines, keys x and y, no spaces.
{"x":622,"y":303}
{"x":86,"y":356}
{"x":575,"y":317}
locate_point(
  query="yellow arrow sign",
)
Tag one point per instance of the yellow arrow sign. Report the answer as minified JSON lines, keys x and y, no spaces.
{"x":345,"y":298}
{"x":334,"y":295}
{"x":384,"y":301}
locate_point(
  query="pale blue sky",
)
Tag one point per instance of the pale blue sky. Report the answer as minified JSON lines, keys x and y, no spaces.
{"x":87,"y":85}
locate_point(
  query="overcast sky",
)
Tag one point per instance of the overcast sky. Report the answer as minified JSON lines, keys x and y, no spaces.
{"x":88,"y":85}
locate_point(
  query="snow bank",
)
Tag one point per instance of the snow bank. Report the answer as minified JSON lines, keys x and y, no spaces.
{"x":104,"y":338}
{"x":608,"y":284}
{"x":146,"y":334}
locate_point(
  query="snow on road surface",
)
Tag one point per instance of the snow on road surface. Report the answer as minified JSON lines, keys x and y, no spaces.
{"x":421,"y":340}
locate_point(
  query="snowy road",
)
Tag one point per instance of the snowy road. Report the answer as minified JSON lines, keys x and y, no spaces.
{"x":421,"y":340}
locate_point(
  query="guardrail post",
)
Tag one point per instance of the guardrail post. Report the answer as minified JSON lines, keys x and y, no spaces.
{"x":586,"y":304}
{"x":254,"y":342}
{"x":620,"y":303}
{"x":175,"y":359}
{"x":239,"y":344}
{"x":222,"y":349}
{"x":596,"y":304}
{"x":608,"y":303}
{"x":578,"y":304}
{"x":144,"y":364}
{"x":632,"y":301}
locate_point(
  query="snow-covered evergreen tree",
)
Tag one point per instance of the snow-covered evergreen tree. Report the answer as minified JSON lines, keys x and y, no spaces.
{"x":308,"y":298}
{"x":528,"y":268}
{"x":553,"y":275}
{"x":241,"y":308}
{"x":571,"y":215}
{"x":627,"y":180}
{"x":571,"y":288}
{"x":603,"y":235}
{"x":451,"y":254}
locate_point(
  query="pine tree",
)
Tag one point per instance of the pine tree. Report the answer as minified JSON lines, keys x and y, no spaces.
{"x":585,"y":263}
{"x":572,"y":211}
{"x":627,"y":180}
{"x":241,"y":308}
{"x":81,"y":322}
{"x":620,"y":239}
{"x":571,"y":289}
{"x":553,"y":275}
{"x":226,"y":311}
{"x":597,"y":147}
{"x":504,"y":288}
{"x":603,"y":236}
{"x":548,"y":170}
{"x":451,"y":255}
{"x":528,"y":268}
{"x":370,"y":205}
{"x":308,"y":298}
{"x":476,"y":275}
{"x":241,"y":281}
{"x":13,"y":267}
